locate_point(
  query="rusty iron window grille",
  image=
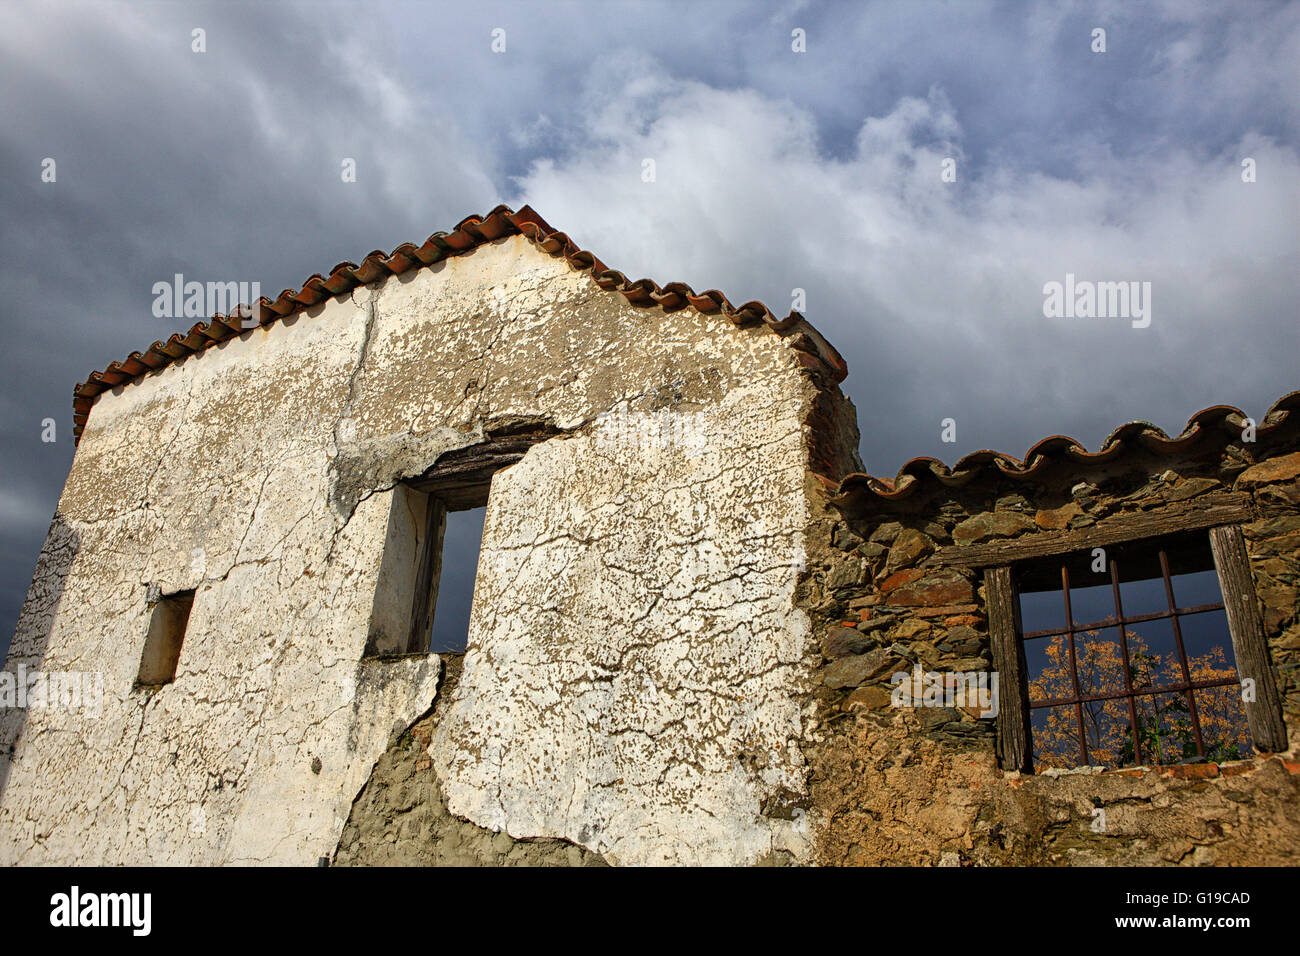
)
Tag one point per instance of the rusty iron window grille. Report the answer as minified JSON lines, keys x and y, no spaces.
{"x":1131,"y":691}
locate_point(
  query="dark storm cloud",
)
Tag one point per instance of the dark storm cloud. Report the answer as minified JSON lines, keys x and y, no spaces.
{"x":776,"y":170}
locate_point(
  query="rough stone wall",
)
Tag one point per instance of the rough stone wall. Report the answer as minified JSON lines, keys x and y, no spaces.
{"x":637,"y":679}
{"x":922,"y":786}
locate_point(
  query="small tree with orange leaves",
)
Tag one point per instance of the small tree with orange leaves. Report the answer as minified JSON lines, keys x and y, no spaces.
{"x":1164,"y":723}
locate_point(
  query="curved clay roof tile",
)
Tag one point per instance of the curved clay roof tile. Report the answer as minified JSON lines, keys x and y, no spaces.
{"x":470,"y":232}
{"x":1218,"y":421}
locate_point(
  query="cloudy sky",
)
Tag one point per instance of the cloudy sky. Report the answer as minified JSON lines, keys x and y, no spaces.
{"x":775,"y":170}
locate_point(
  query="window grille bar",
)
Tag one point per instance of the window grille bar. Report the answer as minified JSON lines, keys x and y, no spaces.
{"x":1114,"y":621}
{"x":1137,"y":692}
{"x":1182,"y":654}
{"x":1074,"y":667}
{"x":1128,"y":676}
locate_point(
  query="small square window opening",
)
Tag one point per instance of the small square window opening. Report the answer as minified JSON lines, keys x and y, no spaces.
{"x":162,"y":645}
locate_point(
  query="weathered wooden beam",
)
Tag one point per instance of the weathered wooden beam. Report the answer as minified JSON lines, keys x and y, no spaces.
{"x":428,"y":572}
{"x":461,"y":478}
{"x":1012,"y":720}
{"x":463,"y":484}
{"x":1206,"y":512}
{"x":1264,"y":712}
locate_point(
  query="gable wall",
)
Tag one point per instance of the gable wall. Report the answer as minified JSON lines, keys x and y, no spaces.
{"x":260,"y":473}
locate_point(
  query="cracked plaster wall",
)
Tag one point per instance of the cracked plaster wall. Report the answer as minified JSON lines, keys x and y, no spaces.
{"x":637,"y":676}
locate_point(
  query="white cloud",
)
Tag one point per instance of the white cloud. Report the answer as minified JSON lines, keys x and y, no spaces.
{"x":938,"y":287}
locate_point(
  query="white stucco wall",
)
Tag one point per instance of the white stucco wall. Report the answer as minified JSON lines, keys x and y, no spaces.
{"x":636,"y":671}
{"x":634,"y":642}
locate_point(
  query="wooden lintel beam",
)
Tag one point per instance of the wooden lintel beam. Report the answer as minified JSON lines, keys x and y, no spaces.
{"x":1209,"y":511}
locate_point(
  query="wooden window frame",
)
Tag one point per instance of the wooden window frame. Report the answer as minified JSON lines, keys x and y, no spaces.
{"x":459,"y":481}
{"x":1220,"y":519}
{"x":428,"y":576}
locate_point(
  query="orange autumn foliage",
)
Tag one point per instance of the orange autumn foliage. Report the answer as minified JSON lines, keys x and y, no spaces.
{"x":1164,"y":720}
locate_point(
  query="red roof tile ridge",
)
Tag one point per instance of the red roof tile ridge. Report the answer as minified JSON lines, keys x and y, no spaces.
{"x":470,"y":232}
{"x":1221,"y":420}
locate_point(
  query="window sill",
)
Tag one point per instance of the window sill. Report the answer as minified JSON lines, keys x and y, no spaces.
{"x":1191,"y":771}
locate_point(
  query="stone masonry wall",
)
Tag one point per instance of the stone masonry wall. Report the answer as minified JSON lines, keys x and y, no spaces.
{"x":922,"y":786}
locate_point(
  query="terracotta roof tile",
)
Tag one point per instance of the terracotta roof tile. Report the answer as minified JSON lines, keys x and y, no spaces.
{"x":1219,"y":422}
{"x":470,"y":233}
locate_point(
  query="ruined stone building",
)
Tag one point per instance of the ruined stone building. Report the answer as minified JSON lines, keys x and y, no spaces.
{"x":699,"y":634}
